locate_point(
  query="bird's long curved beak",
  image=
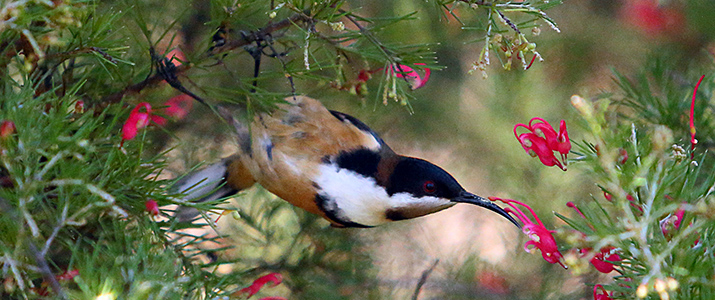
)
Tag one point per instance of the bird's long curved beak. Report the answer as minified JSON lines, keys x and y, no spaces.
{"x":467,"y":197}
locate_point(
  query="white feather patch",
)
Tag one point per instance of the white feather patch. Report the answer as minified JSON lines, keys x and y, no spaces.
{"x":362,"y":200}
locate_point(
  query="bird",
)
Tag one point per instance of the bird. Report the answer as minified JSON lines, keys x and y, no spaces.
{"x":332,"y":165}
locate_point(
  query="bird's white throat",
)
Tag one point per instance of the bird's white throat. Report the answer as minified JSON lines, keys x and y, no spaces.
{"x":361,"y":200}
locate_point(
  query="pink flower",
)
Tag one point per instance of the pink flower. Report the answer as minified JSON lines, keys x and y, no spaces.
{"x":138,"y":119}
{"x":7,"y":128}
{"x":542,"y":141}
{"x":152,"y":207}
{"x":604,"y":296}
{"x":273,"y":278}
{"x":414,"y":78}
{"x":541,"y":237}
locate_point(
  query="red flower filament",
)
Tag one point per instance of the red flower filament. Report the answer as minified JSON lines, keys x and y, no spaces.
{"x":693,"y":141}
{"x":273,"y":278}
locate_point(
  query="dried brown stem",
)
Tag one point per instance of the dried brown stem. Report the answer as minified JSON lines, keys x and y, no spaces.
{"x":423,"y":279}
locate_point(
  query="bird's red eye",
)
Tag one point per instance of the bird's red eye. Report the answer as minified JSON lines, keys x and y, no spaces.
{"x":429,"y":187}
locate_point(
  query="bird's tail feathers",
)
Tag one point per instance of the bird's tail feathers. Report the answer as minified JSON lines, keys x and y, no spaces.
{"x":206,"y":184}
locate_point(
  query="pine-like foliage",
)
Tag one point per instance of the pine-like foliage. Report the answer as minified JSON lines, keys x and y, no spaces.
{"x":84,"y":156}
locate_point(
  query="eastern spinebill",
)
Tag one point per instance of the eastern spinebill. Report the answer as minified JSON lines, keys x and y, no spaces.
{"x":332,"y":165}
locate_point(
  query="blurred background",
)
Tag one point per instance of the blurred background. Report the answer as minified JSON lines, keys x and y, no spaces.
{"x":458,"y":120}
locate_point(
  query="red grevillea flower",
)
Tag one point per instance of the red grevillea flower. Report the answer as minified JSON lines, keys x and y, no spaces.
{"x":176,"y":108}
{"x":654,"y":18}
{"x":599,"y":293}
{"x":622,"y":156}
{"x":79,"y":106}
{"x":672,"y":222}
{"x":493,"y":282}
{"x":693,"y":141}
{"x":138,"y":119}
{"x":602,"y":260}
{"x":630,"y":198}
{"x":67,"y":275}
{"x":541,"y":237}
{"x":7,"y":128}
{"x":608,"y":196}
{"x":542,"y":141}
{"x":416,"y":81}
{"x":152,"y":207}
{"x":273,"y":278}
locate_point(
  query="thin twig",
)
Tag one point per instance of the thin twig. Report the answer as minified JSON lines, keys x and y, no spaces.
{"x":423,"y":279}
{"x":246,"y":40}
{"x":39,"y":258}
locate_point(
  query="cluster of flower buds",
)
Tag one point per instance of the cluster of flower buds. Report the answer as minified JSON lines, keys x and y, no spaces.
{"x":543,"y":141}
{"x":359,"y":85}
{"x":7,"y":128}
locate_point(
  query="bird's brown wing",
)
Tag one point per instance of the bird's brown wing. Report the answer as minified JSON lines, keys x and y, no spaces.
{"x":288,"y":145}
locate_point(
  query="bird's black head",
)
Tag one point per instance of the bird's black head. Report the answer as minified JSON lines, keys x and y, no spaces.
{"x":422,"y":179}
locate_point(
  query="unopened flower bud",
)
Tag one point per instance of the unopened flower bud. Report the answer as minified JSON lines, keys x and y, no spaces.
{"x":642,"y":291}
{"x":7,"y":128}
{"x":622,"y":156}
{"x":536,"y":31}
{"x":583,"y":106}
{"x":659,"y":285}
{"x":337,"y":26}
{"x":672,"y":283}
{"x":498,"y":38}
{"x":152,"y":207}
{"x":79,"y":106}
{"x":662,"y":138}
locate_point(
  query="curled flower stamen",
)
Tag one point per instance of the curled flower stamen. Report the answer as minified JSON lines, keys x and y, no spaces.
{"x":541,"y":238}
